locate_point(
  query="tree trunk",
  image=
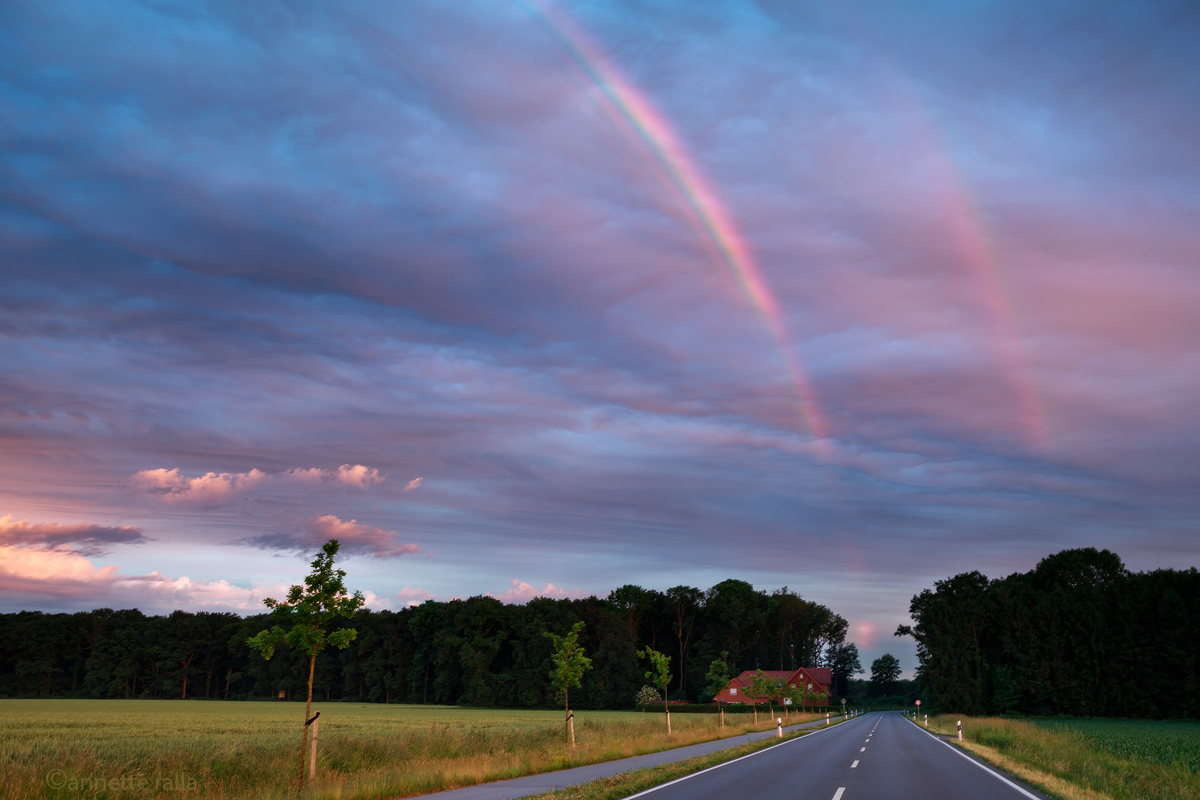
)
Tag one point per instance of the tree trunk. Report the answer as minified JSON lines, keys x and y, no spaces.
{"x":312,"y":663}
{"x":568,"y":728}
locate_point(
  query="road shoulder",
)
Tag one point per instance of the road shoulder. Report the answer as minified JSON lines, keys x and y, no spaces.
{"x":1028,"y":778}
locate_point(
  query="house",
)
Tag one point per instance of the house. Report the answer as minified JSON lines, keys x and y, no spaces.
{"x":815,"y":680}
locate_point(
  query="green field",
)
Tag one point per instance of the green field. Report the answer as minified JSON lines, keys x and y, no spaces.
{"x":1168,"y":743}
{"x":201,"y":749}
{"x":1072,"y":758}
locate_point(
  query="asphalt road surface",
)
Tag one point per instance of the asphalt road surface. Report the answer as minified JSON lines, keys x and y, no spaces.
{"x":879,"y":755}
{"x":536,"y":784}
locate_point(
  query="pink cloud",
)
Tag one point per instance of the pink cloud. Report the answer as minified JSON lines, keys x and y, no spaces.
{"x":212,"y":489}
{"x":413,"y":484}
{"x":209,"y":489}
{"x":353,"y":536}
{"x":28,"y":571}
{"x":522,"y":592}
{"x":359,"y":475}
{"x":414,"y":597}
{"x":64,"y":573}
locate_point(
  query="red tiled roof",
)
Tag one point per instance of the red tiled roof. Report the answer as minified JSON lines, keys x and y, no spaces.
{"x":822,"y":675}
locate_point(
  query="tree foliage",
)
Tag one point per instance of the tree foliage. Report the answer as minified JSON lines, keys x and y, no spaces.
{"x":885,"y":672}
{"x":1079,"y":635}
{"x":472,"y":651}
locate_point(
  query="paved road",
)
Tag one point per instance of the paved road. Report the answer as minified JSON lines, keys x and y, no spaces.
{"x":879,"y":755}
{"x":536,"y":784}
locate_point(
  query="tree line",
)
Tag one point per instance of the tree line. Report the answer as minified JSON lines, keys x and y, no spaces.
{"x":1080,"y":634}
{"x":475,"y":651}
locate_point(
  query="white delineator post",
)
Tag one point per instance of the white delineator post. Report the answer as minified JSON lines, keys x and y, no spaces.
{"x":779,"y":728}
{"x":826,"y":717}
{"x":926,"y":720}
{"x":960,"y":730}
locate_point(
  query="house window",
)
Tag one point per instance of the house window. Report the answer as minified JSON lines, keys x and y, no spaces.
{"x":733,"y":691}
{"x":810,"y":686}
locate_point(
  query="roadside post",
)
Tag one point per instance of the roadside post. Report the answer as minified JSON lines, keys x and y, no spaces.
{"x":826,"y":717}
{"x":960,"y":730}
{"x":926,"y":720}
{"x":312,"y":756}
{"x":779,"y":727}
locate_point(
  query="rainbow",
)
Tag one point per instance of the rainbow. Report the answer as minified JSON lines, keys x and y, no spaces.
{"x":970,"y":231}
{"x":632,"y":109}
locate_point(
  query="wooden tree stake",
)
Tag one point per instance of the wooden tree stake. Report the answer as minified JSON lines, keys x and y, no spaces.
{"x":312,"y":757}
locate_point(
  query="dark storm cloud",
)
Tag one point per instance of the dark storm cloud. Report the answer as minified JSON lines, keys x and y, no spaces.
{"x":86,"y":538}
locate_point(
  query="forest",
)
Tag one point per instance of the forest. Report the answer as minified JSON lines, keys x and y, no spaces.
{"x":1079,"y":635}
{"x":476,"y":651}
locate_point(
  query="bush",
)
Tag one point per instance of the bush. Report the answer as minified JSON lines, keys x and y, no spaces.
{"x":647,"y":695}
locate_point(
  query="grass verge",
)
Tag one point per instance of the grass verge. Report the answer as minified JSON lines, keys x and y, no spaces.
{"x":1070,"y":763}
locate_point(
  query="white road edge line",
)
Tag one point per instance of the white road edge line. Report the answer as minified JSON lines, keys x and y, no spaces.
{"x":645,"y":792}
{"x":838,"y":794}
{"x":986,"y":769}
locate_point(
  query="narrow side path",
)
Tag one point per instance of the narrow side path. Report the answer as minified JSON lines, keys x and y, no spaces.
{"x":547,"y":781}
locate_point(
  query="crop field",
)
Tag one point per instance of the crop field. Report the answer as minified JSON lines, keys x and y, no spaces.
{"x":186,"y":750}
{"x":1077,"y":758}
{"x":1167,"y":743}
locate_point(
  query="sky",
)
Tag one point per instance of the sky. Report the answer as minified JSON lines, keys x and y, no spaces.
{"x":544,"y":298}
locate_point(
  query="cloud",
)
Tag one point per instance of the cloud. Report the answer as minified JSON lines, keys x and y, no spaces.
{"x":414,"y":597}
{"x":413,"y":484}
{"x":64,"y":573}
{"x":353,"y":537}
{"x":210,"y":489}
{"x":522,"y":592}
{"x":88,"y":538}
{"x":30,"y":576}
{"x":357,"y":475}
{"x":213,"y":489}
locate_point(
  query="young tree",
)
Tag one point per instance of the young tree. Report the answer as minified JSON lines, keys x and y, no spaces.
{"x":310,"y":609}
{"x":718,"y":674}
{"x":569,"y":665}
{"x":764,"y":685}
{"x":660,"y":676}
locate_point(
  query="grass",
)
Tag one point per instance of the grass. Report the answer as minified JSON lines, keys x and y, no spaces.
{"x":1089,"y":759}
{"x":183,"y":750}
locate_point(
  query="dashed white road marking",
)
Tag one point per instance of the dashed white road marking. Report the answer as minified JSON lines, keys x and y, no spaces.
{"x":838,"y":794}
{"x":862,"y":749}
{"x":855,"y":764}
